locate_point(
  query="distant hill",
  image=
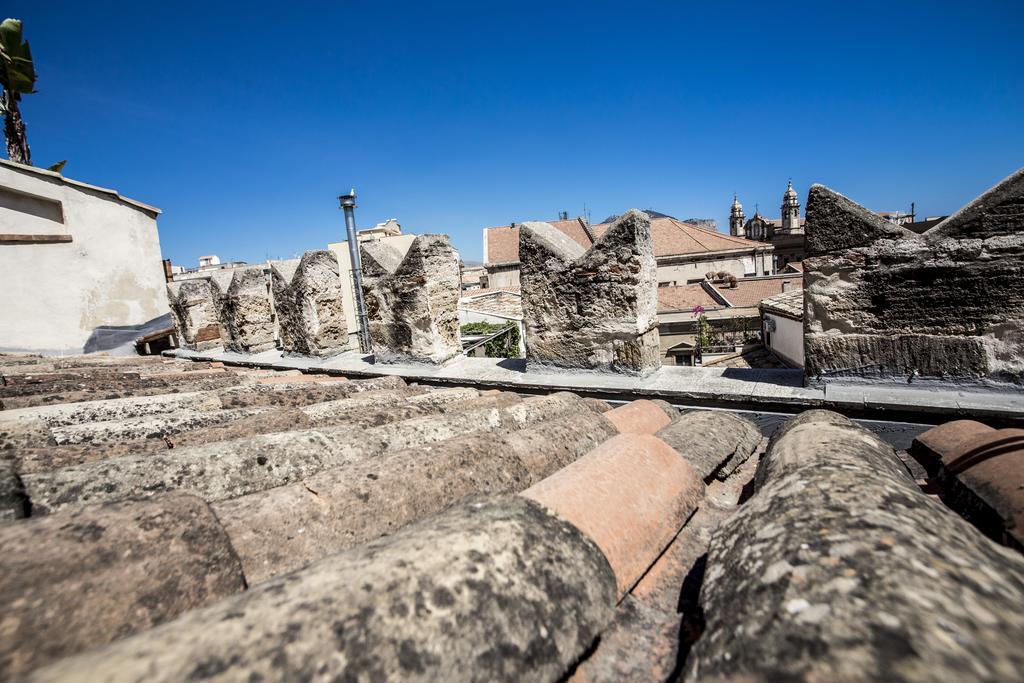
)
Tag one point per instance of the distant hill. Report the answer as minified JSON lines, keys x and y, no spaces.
{"x":706,"y":223}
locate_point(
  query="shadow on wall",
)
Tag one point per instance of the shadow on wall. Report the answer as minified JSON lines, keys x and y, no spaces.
{"x":121,"y":338}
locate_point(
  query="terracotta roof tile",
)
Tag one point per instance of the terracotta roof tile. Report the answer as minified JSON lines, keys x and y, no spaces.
{"x":751,"y":291}
{"x":790,"y":303}
{"x":278,"y":512}
{"x":671,"y":237}
{"x":685,"y":297}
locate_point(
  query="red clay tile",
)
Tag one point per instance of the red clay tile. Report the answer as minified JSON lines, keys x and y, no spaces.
{"x":638,"y":417}
{"x":630,"y":495}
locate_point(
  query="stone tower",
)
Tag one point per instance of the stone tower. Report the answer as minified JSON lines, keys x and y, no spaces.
{"x":736,"y":218}
{"x":790,"y":211}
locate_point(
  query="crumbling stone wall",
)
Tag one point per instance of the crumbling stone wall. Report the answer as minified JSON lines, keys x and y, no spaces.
{"x":412,"y":300}
{"x":308,"y":304}
{"x":247,"y":313}
{"x":591,"y":309}
{"x":885,"y":304}
{"x":194,"y":310}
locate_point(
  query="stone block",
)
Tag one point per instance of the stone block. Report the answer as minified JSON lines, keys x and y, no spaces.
{"x":999,"y":211}
{"x":496,"y":588}
{"x":194,"y":308}
{"x":308,"y":303}
{"x":899,"y":357}
{"x":835,"y":223}
{"x":591,"y":309}
{"x":247,"y":312}
{"x":840,"y":568}
{"x":412,"y":300}
{"x":883,"y":304}
{"x":72,"y":582}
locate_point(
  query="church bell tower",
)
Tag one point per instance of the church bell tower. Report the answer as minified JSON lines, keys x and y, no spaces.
{"x":736,"y":218}
{"x":790,"y":211}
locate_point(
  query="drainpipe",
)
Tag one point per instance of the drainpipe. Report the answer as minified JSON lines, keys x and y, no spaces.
{"x":348,"y":205}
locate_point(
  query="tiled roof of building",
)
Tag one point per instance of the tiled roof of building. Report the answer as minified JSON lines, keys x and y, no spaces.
{"x":165,"y":520}
{"x":502,"y":243}
{"x":750,"y":291}
{"x":686,"y":297}
{"x":797,"y":266}
{"x":671,"y":237}
{"x":498,"y":302}
{"x":675,"y":238}
{"x":789,"y":303}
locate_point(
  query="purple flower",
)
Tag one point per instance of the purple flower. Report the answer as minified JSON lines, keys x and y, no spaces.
{"x":698,"y":310}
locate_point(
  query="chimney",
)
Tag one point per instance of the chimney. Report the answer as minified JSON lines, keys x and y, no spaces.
{"x":785,"y":285}
{"x":563,"y":215}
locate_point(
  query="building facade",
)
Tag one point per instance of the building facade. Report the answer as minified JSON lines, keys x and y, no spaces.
{"x":80,"y":266}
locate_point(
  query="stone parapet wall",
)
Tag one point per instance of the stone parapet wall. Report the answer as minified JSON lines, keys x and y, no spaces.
{"x":591,"y":309}
{"x":308,"y":303}
{"x":885,"y":304}
{"x":194,"y":309}
{"x":412,"y":300}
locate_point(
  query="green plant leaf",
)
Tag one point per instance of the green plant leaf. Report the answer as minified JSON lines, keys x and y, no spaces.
{"x":17,"y":72}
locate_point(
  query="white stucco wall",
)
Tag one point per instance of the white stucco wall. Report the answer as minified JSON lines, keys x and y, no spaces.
{"x":787,"y":341}
{"x":55,"y":296}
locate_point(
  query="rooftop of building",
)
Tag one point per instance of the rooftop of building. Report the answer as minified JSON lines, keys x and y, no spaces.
{"x":71,"y":182}
{"x":671,"y":237}
{"x":294,"y":518}
{"x":738,"y":293}
{"x":789,"y":304}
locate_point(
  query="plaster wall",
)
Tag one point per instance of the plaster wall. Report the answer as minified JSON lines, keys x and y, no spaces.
{"x":787,"y":341}
{"x":60,"y":297}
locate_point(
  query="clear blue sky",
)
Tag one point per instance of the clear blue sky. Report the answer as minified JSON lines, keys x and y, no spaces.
{"x":243,"y":121}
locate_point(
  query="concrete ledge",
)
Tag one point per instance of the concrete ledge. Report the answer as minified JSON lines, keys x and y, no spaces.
{"x":751,"y":389}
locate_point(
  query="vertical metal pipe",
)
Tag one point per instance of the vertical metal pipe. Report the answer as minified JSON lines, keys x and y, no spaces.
{"x":348,"y":205}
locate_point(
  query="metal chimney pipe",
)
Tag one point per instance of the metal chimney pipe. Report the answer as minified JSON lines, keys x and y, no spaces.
{"x":348,"y":205}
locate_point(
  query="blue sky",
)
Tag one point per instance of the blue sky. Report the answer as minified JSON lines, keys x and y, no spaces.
{"x":244,"y":121}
